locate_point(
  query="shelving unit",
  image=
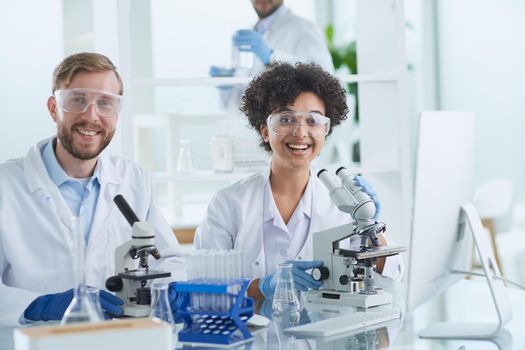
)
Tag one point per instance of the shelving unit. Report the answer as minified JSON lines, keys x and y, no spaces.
{"x":384,"y":123}
{"x":208,"y":81}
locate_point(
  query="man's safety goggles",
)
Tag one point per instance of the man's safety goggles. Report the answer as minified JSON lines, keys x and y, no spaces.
{"x":285,"y":123}
{"x":78,"y":100}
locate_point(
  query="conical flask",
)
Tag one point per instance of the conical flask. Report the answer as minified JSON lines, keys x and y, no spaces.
{"x":285,"y":299}
{"x":160,"y":305}
{"x":82,"y":308}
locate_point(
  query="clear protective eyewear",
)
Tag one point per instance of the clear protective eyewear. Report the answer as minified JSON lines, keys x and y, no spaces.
{"x":78,"y":100}
{"x":285,"y":123}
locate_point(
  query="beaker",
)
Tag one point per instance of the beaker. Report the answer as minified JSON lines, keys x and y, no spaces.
{"x":185,"y":164}
{"x":81,"y":308}
{"x":160,"y":304}
{"x":242,"y":61}
{"x":285,"y":299}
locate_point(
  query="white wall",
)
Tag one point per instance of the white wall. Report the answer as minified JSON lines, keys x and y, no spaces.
{"x":31,"y":46}
{"x":482,"y":68}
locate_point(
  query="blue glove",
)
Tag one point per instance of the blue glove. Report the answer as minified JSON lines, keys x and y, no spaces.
{"x":176,"y":300}
{"x":52,"y":306}
{"x":365,"y":185}
{"x":250,"y":40}
{"x":221,"y":72}
{"x":302,"y":280}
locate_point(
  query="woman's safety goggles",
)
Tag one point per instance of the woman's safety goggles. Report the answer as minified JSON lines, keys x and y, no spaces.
{"x":285,"y":123}
{"x":78,"y":100}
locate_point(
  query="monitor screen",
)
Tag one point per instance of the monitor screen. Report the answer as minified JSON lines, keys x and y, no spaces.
{"x":440,"y":241}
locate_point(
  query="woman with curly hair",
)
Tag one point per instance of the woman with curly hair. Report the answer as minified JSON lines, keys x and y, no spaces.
{"x":271,"y":215}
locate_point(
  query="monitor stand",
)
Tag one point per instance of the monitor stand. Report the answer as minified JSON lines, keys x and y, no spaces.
{"x":455,"y":330}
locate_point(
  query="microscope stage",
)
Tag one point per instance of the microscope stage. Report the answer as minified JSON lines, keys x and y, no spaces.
{"x":143,"y":275}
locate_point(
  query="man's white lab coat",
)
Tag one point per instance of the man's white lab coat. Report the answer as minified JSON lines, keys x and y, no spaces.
{"x":36,"y":246}
{"x":295,"y":39}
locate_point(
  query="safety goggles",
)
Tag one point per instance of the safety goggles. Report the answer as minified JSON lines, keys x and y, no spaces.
{"x":285,"y":123}
{"x":78,"y":100}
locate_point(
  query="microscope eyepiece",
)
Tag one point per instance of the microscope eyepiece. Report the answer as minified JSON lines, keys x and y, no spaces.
{"x":338,"y":170}
{"x":125,"y":209}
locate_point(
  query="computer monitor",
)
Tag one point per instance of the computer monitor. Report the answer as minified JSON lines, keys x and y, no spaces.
{"x":445,"y":223}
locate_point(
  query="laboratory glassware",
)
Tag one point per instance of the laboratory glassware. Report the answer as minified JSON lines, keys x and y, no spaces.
{"x":285,"y":299}
{"x":93,"y":293}
{"x":160,"y":305}
{"x":82,"y":308}
{"x":242,"y":61}
{"x":185,"y":164}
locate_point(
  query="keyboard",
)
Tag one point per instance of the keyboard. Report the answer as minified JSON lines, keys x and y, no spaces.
{"x":344,"y":323}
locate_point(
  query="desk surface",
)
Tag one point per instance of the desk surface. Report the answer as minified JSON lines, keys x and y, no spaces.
{"x":466,"y":301}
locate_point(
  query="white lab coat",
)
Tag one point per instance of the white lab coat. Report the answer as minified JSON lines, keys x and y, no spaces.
{"x":292,"y":39}
{"x":295,"y":39}
{"x":35,"y":233}
{"x":234,"y":219}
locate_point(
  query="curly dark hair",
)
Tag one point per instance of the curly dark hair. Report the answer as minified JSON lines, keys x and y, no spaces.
{"x":278,"y":87}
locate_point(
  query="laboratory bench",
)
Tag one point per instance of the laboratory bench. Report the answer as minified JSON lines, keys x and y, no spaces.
{"x":467,"y":301}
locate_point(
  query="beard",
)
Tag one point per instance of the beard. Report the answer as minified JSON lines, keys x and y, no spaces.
{"x":265,"y":13}
{"x":65,"y":136}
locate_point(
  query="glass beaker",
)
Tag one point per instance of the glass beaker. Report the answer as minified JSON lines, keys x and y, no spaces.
{"x":242,"y":61}
{"x":185,"y":164}
{"x":160,"y":304}
{"x":285,"y":299}
{"x":81,"y":308}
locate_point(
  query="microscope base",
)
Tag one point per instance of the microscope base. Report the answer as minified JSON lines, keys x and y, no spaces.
{"x":136,"y":310}
{"x":324,"y":296}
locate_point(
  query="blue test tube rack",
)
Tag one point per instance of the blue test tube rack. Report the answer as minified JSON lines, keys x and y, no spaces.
{"x":214,"y":327}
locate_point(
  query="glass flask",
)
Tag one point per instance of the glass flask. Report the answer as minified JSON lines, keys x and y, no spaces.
{"x":93,"y":293}
{"x":82,"y":308}
{"x":160,"y":305}
{"x":285,"y":299}
{"x":283,"y":321}
{"x":185,"y":164}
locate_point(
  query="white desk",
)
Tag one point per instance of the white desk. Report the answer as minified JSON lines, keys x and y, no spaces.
{"x":466,"y":301}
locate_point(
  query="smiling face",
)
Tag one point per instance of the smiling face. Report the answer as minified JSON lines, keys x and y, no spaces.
{"x":296,"y":150}
{"x":85,"y":135}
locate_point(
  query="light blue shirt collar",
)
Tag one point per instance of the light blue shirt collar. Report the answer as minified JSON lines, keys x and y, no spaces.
{"x":55,"y":170}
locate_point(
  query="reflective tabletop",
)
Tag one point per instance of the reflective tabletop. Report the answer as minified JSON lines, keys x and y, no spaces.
{"x":467,"y":301}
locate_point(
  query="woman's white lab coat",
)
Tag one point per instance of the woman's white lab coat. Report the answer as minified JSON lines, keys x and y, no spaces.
{"x":36,"y":251}
{"x":235,"y":220}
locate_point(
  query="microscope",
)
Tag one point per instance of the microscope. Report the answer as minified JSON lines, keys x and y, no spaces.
{"x":347,"y":275}
{"x":131,"y":280}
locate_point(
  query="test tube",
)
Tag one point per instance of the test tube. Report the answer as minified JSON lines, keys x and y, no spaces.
{"x":215,"y":279}
{"x":223,"y":304}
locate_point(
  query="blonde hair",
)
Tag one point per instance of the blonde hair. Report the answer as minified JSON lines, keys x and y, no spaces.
{"x":82,"y":62}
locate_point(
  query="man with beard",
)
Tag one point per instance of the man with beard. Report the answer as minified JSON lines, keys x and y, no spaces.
{"x":65,"y":176}
{"x":278,"y":36}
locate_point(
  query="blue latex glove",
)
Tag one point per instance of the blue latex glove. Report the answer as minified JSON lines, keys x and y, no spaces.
{"x":302,"y":280}
{"x":221,"y":72}
{"x":365,"y":185}
{"x":52,"y":306}
{"x":175,"y":300}
{"x":250,"y":40}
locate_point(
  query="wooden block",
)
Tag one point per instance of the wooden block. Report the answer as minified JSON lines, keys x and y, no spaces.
{"x":129,"y":334}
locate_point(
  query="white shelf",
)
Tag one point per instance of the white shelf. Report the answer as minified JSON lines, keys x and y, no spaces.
{"x":209,"y":81}
{"x":200,"y":176}
{"x":210,"y":175}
